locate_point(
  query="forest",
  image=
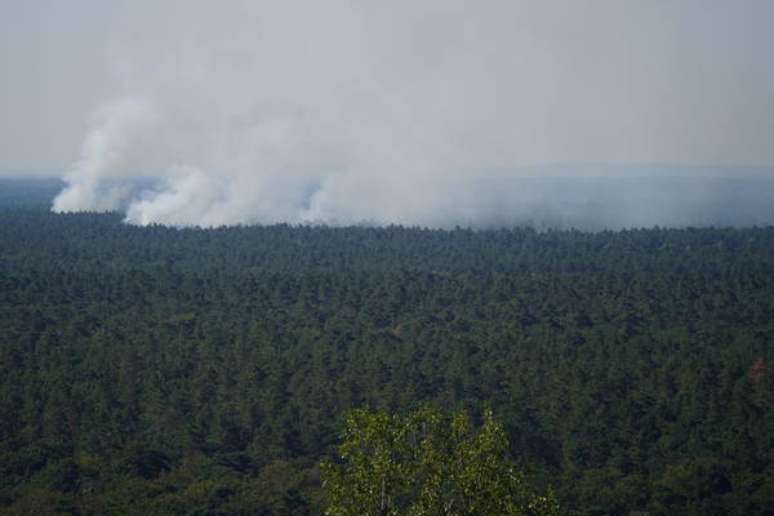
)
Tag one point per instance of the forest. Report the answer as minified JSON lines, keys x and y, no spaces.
{"x":158,"y":370}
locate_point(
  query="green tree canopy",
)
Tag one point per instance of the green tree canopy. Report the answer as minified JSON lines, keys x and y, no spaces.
{"x":427,"y":462}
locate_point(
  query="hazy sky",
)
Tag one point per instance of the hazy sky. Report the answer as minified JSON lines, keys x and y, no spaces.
{"x":345,"y":110}
{"x":647,"y":80}
{"x":53,"y":74}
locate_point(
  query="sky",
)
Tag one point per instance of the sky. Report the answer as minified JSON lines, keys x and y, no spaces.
{"x":53,"y":74}
{"x":287,"y":110}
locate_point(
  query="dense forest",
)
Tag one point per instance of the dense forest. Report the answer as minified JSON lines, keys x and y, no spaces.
{"x":208,"y":371}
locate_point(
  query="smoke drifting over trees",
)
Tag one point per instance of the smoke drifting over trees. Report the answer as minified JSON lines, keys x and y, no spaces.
{"x":433,"y":113}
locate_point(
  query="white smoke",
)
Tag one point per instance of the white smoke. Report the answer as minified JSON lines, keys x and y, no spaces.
{"x":342,"y":112}
{"x":120,"y":126}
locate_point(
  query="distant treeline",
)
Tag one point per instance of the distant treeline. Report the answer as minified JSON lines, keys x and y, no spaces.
{"x":15,"y":192}
{"x":160,"y":370}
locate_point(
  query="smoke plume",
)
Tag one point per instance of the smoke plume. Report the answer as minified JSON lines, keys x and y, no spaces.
{"x":432,"y":113}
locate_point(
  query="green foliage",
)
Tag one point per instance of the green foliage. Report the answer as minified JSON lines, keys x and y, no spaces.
{"x":424,"y":463}
{"x":158,"y":370}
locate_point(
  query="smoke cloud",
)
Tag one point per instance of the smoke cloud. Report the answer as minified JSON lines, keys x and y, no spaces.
{"x":432,"y":113}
